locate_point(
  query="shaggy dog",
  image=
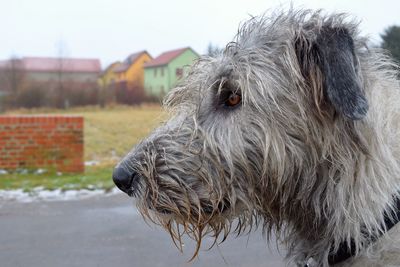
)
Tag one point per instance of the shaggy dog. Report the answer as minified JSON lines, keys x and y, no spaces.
{"x":293,"y":128}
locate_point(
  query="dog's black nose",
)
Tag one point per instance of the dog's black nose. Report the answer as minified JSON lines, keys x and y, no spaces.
{"x":125,"y":180}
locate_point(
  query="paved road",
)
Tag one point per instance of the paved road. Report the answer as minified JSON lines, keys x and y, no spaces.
{"x":107,"y":231}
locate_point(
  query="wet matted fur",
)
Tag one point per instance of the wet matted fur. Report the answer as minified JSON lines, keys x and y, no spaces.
{"x":310,"y":153}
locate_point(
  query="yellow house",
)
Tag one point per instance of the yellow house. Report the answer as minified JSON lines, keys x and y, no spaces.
{"x":108,"y":77}
{"x":131,"y":72}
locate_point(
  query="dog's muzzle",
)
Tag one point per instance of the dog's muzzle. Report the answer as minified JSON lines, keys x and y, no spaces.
{"x":126,"y":181}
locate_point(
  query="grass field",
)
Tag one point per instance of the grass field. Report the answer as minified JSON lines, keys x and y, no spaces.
{"x":109,"y":134}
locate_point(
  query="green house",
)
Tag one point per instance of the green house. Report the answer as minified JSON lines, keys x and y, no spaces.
{"x":162,"y":73}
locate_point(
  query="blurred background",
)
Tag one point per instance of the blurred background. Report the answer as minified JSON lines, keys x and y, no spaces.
{"x":81,"y":83}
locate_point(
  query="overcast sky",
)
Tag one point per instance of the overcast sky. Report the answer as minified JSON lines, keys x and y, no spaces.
{"x":112,"y":29}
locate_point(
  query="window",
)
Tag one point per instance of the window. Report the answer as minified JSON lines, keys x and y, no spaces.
{"x":162,"y":71}
{"x":179,"y":72}
{"x":155,"y":72}
{"x":162,"y":89}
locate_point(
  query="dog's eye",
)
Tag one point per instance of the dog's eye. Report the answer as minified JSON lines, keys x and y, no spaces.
{"x":233,"y":99}
{"x":228,"y":94}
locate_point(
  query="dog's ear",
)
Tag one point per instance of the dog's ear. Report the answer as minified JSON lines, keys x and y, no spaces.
{"x":329,"y":65}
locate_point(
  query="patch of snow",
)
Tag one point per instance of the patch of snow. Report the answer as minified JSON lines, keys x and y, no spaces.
{"x":39,"y":194}
{"x":2,"y":172}
{"x":40,"y":171}
{"x":22,"y":171}
{"x":92,"y":163}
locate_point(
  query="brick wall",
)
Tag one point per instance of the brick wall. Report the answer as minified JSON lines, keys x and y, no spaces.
{"x":40,"y":141}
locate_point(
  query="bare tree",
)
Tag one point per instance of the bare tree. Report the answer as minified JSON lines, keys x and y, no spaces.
{"x":12,"y":80}
{"x":61,"y":100}
{"x":213,"y":50}
{"x":12,"y":75}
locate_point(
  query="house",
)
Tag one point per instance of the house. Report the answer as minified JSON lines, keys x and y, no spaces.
{"x":162,"y":73}
{"x":60,"y":82}
{"x":130,"y":72}
{"x":48,"y":70}
{"x":109,"y":77}
{"x":43,"y":69}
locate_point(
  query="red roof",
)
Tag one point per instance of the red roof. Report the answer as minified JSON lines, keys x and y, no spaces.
{"x":45,"y":64}
{"x":166,"y":57}
{"x":129,"y":61}
{"x":11,"y":63}
{"x":111,"y":66}
{"x":4,"y":63}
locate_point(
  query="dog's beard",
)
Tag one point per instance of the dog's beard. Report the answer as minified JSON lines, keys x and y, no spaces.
{"x":191,"y":213}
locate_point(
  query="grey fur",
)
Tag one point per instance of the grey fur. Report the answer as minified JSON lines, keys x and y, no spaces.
{"x":309,"y":157}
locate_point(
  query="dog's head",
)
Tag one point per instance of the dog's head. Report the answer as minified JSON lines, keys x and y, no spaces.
{"x":250,"y":129}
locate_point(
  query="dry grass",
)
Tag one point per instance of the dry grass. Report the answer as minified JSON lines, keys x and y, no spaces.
{"x":111,"y":132}
{"x":116,"y":131}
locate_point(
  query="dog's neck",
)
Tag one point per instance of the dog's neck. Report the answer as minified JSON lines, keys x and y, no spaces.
{"x":347,"y":250}
{"x":346,"y":202}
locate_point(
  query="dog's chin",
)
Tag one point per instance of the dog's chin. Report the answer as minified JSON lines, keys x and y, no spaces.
{"x":221,"y":212}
